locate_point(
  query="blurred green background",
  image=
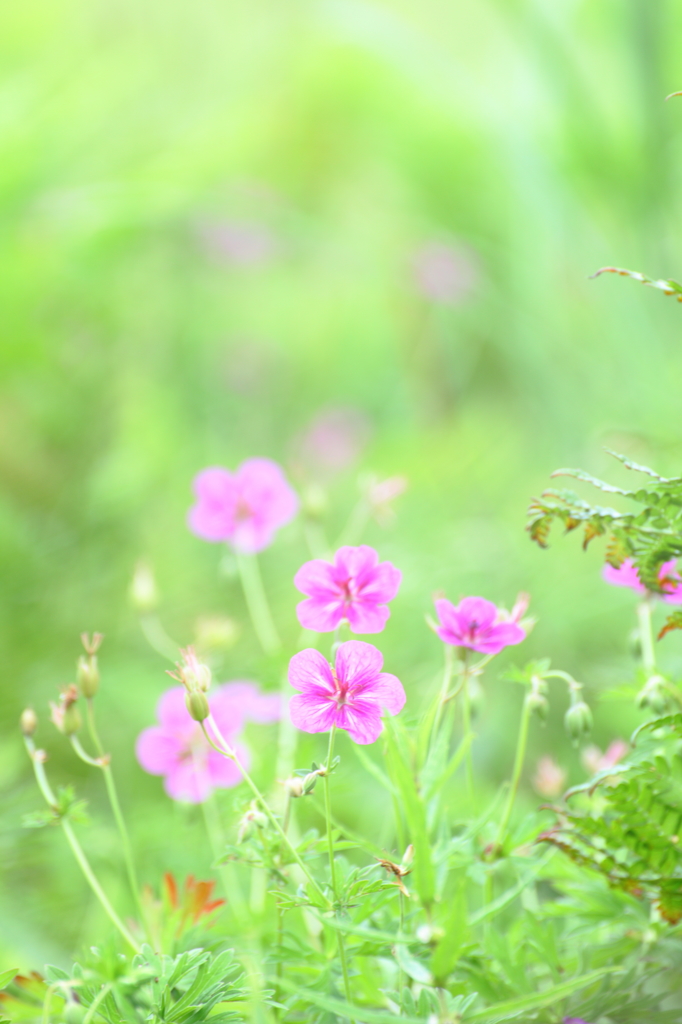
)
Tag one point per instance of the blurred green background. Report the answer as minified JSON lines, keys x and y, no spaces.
{"x":352,"y":236}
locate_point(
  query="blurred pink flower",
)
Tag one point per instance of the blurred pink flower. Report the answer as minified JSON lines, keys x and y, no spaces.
{"x":355,"y":587}
{"x":444,"y":273}
{"x":594,"y":761}
{"x":477,"y":624}
{"x":549,"y":778}
{"x":243,"y":243}
{"x":350,"y":696}
{"x":178,"y":750}
{"x":627,"y":576}
{"x":381,"y":495}
{"x":333,"y":441}
{"x":245,"y":508}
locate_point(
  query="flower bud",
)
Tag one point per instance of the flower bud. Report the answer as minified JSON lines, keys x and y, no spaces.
{"x":578,"y":720}
{"x":197,"y":705}
{"x":538,"y":704}
{"x":251,"y":821}
{"x":87,"y":675}
{"x":66,"y":715}
{"x":653,"y":696}
{"x":192,"y":673}
{"x":28,"y":721}
{"x":294,"y":786}
{"x":143,"y":594}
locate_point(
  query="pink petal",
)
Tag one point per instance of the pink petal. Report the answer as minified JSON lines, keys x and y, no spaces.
{"x":157,"y":750}
{"x":625,"y":576}
{"x":311,"y":712}
{"x":355,"y":563}
{"x":212,"y":517}
{"x":366,"y":617}
{"x":252,"y":536}
{"x":316,"y":579}
{"x":674,"y":596}
{"x":320,"y":616}
{"x":264,"y":488}
{"x":447,"y":616}
{"x":223,"y":773}
{"x":495,"y":638}
{"x":382,"y":583}
{"x":358,"y":664}
{"x":361,"y":719}
{"x":389,"y":692}
{"x":214,"y":484}
{"x":188,"y":782}
{"x":478,"y":610}
{"x":245,"y":700}
{"x":310,"y":670}
{"x":226,"y":708}
{"x":172,"y":712}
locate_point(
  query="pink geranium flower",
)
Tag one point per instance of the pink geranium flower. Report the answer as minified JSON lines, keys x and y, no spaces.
{"x":245,"y":508}
{"x":352,"y":695}
{"x":355,"y":587}
{"x":178,"y":749}
{"x":627,"y":576}
{"x":477,"y":624}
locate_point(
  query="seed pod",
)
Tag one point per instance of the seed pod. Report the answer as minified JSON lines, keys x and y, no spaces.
{"x":538,"y":705}
{"x":197,"y":705}
{"x":28,"y":721}
{"x":87,"y":675}
{"x":578,"y":721}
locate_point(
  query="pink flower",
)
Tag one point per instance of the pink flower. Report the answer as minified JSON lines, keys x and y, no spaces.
{"x":444,"y":273}
{"x":356,"y":587}
{"x":178,"y":750}
{"x":350,"y":696}
{"x":477,"y":624}
{"x":549,"y":777}
{"x":627,"y":576}
{"x":594,"y":761}
{"x":334,"y":440}
{"x":245,"y":508}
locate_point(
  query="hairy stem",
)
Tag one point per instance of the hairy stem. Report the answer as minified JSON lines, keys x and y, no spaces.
{"x":332,"y":862}
{"x":257,"y":603}
{"x":521,"y":744}
{"x":76,"y":848}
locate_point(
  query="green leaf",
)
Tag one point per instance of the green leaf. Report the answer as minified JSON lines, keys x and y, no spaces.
{"x":448,"y":950}
{"x":342,"y":1009}
{"x":511,"y":1008}
{"x":6,"y":976}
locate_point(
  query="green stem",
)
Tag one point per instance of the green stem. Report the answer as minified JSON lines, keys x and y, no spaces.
{"x":332,"y":862}
{"x":76,"y":848}
{"x":466,"y":722}
{"x":646,"y":637}
{"x":521,"y":744}
{"x":226,"y":751}
{"x":257,"y":603}
{"x":157,"y":637}
{"x":443,"y":696}
{"x":229,"y":881}
{"x":126,"y":845}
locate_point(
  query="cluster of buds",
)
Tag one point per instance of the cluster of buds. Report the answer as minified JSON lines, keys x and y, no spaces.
{"x":578,"y":718}
{"x":65,"y":715}
{"x":302,"y":784}
{"x":87,"y":670}
{"x":536,"y":698}
{"x":196,"y":678}
{"x":654,"y":696}
{"x":251,"y":821}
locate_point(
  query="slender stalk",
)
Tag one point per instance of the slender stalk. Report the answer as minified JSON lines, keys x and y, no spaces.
{"x":231,"y":756}
{"x":76,"y":848}
{"x":257,"y":603}
{"x":646,"y":637}
{"x":126,"y":845}
{"x":466,"y":722}
{"x":157,"y":637}
{"x":401,"y":930}
{"x":521,"y":744}
{"x":229,"y":881}
{"x":332,"y":862}
{"x":443,"y":696}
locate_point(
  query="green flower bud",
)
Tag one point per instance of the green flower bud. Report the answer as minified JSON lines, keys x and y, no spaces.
{"x":197,"y":705}
{"x":87,"y":675}
{"x":538,"y":704}
{"x":578,"y":721}
{"x":653,"y":696}
{"x":28,"y":721}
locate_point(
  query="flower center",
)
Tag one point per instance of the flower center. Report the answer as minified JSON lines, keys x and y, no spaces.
{"x":340,"y":697}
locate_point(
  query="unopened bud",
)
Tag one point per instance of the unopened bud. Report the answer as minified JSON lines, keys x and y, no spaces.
{"x":197,"y":705}
{"x":654,"y":696}
{"x":294,"y":786}
{"x":66,"y":715}
{"x":87,"y":675}
{"x":28,"y":721}
{"x":251,"y":821}
{"x":192,"y":673}
{"x":578,"y":721}
{"x":538,"y":704}
{"x":143,"y":594}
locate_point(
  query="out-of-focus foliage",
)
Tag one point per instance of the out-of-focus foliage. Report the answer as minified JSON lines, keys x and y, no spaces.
{"x":226,"y":224}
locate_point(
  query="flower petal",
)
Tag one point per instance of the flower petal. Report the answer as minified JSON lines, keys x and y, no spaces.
{"x":447,"y":616}
{"x":495,"y":638}
{"x":212,"y":517}
{"x":223,"y":773}
{"x":358,"y":664}
{"x":172,"y":712}
{"x":355,"y":563}
{"x":310,"y":670}
{"x":361,"y":719}
{"x":625,"y":576}
{"x":381,"y":584}
{"x":266,"y":491}
{"x":316,"y":579}
{"x":389,"y":693}
{"x":312,"y":712}
{"x":157,"y":750}
{"x":188,"y":782}
{"x":366,"y":617}
{"x":320,"y":616}
{"x":478,"y":610}
{"x":246,"y":701}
